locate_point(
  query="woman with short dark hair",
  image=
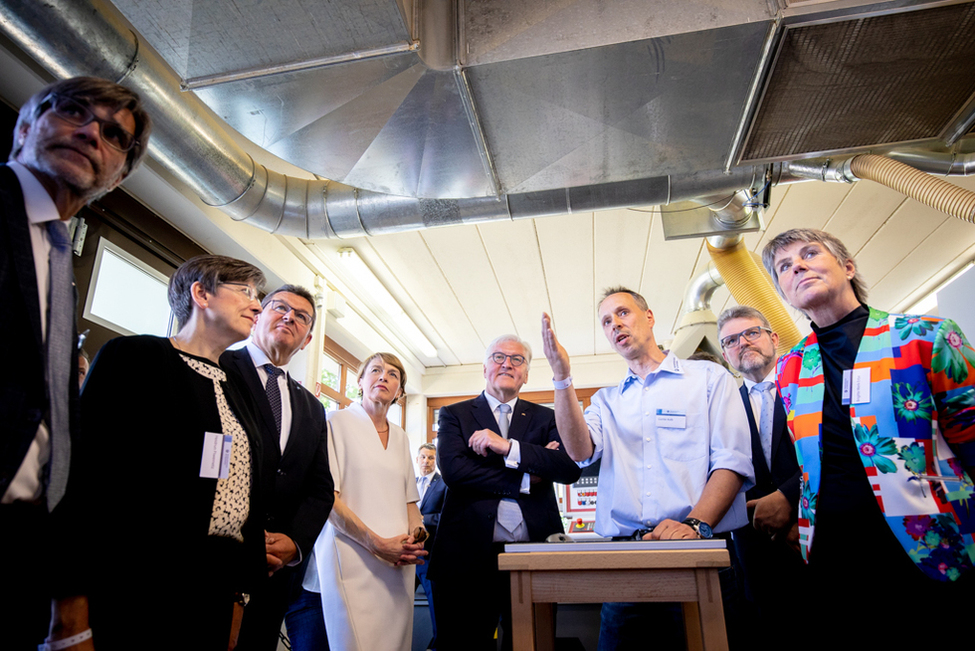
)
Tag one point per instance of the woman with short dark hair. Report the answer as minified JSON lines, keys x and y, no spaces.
{"x":173,"y":531}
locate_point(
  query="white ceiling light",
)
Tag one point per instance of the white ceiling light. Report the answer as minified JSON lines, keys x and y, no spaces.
{"x":378,"y":293}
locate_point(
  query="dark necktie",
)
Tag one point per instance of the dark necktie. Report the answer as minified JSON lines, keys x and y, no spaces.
{"x":274,"y":393}
{"x":60,"y":313}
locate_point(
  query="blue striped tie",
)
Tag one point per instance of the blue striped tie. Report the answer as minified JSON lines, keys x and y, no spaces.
{"x":60,"y":348}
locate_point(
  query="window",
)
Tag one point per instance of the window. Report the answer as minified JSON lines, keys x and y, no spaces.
{"x":126,"y":295}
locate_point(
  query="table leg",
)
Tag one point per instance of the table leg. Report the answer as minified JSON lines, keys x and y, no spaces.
{"x":713,"y":632}
{"x":692,"y":626}
{"x":522,"y":612}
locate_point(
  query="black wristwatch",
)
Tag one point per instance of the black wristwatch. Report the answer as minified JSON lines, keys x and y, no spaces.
{"x":703,"y":529}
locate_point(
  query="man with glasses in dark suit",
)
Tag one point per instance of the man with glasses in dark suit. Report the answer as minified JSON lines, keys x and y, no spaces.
{"x":499,"y":456}
{"x":74,"y":141}
{"x":298,"y":490}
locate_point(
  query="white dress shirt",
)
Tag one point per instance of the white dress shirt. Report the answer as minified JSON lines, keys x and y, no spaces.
{"x":260,"y":359}
{"x":661,"y":438}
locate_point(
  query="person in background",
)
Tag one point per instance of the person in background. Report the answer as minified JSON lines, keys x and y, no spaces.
{"x":299,"y":492}
{"x":74,"y":141}
{"x":170,"y":474}
{"x":882,"y":411}
{"x":675,"y":453}
{"x":499,"y":456}
{"x":432,"y":492}
{"x":83,"y":365}
{"x":362,"y":565}
{"x":772,"y":567}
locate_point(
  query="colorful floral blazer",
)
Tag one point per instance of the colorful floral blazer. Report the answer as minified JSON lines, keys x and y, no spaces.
{"x":919,"y":420}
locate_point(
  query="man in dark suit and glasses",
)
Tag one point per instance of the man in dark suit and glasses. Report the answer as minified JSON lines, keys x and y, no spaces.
{"x":74,"y":141}
{"x":298,"y":491}
{"x":499,"y":456}
{"x":772,"y":567}
{"x":432,"y":493}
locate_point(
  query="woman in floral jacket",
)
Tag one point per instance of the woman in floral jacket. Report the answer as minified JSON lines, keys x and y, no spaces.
{"x":882,"y":410}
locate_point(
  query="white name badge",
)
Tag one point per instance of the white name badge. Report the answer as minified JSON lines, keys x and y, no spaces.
{"x":215,"y":462}
{"x":671,"y":418}
{"x":856,"y":386}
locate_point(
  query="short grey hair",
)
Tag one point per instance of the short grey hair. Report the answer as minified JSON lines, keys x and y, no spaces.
{"x":609,"y":291}
{"x":504,"y":338}
{"x":742,"y":312}
{"x":426,"y":446}
{"x":807,"y":235}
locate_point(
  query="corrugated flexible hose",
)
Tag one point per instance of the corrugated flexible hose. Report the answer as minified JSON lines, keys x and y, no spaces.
{"x":751,"y":285}
{"x":929,"y":190}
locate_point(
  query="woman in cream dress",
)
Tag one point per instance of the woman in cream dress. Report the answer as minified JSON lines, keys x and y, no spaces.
{"x":366,"y":552}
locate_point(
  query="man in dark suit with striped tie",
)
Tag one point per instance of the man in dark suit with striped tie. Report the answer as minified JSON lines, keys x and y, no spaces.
{"x":297,"y":484}
{"x":74,"y":141}
{"x":766,"y":545}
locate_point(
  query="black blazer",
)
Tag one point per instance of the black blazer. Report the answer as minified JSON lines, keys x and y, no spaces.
{"x":784,"y":473}
{"x":431,"y":505}
{"x":298,"y":490}
{"x":23,"y":393}
{"x":476,"y":484}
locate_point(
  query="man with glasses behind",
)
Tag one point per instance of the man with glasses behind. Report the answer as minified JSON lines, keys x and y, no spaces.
{"x":772,"y":569}
{"x":498,"y":455}
{"x":74,"y":141}
{"x":299,"y":492}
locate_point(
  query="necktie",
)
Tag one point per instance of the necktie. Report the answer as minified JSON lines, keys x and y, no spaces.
{"x":59,"y":352}
{"x":274,"y":393}
{"x":503,"y":410}
{"x":422,"y":486}
{"x":509,"y":513}
{"x":765,"y":423}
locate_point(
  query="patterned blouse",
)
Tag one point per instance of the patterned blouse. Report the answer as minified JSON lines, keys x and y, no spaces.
{"x":231,"y":503}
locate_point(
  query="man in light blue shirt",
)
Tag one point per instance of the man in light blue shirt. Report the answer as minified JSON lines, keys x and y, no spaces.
{"x":674,"y":442}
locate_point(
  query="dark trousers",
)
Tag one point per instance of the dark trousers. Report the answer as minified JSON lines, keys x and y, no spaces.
{"x":26,"y":612}
{"x":264,"y":614}
{"x":470,"y":604}
{"x":424,"y":580}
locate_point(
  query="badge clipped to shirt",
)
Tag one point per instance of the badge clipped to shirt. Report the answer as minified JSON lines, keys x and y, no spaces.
{"x":671,"y":418}
{"x":856,"y":386}
{"x":215,"y":463}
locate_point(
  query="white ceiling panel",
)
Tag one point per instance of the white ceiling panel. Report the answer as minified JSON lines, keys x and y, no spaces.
{"x":567,"y":254}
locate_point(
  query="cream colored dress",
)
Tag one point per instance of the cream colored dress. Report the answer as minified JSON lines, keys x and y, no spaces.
{"x":368,"y":603}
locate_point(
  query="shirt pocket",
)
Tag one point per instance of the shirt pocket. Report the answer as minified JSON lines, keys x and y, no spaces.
{"x":688,"y":443}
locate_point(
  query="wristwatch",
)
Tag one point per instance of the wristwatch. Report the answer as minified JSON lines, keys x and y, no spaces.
{"x":703,"y":529}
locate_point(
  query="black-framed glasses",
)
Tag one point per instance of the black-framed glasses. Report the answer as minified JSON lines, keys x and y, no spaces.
{"x":283,"y":308}
{"x":750,"y":334}
{"x":79,"y":114}
{"x":516,"y":360}
{"x":244,"y":289}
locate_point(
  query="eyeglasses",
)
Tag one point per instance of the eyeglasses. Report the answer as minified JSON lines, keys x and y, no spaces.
{"x":244,"y":289}
{"x":78,"y":114}
{"x":750,"y":334}
{"x":516,"y":360}
{"x":283,"y":308}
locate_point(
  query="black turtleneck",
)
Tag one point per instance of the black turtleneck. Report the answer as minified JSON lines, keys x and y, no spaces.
{"x":844,"y":487}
